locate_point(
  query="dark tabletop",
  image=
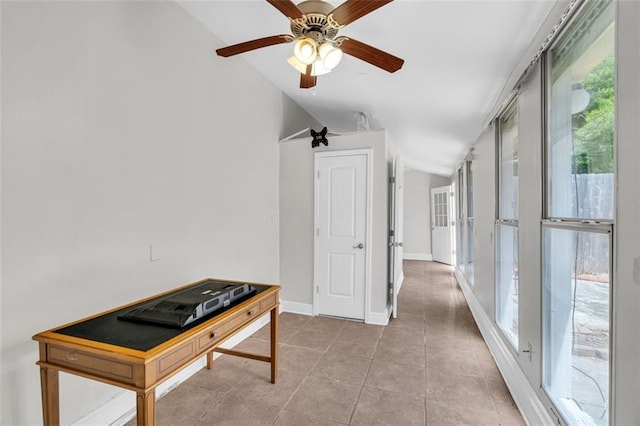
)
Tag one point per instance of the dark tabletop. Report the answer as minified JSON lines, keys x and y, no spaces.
{"x":109,"y":329}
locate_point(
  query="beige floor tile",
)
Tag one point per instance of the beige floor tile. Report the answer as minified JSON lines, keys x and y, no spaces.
{"x":243,"y":365}
{"x":360,"y":346}
{"x":221,"y":379}
{"x":403,"y":336}
{"x":292,"y":418}
{"x":360,"y":329}
{"x":261,"y":389}
{"x":324,"y":324}
{"x":452,"y":389}
{"x":406,"y":354}
{"x":412,"y":306}
{"x":499,"y":391}
{"x":234,"y":410}
{"x":287,"y":319}
{"x":377,"y":407}
{"x":395,"y":377}
{"x":509,"y":414}
{"x":185,"y":405}
{"x":313,"y":339}
{"x":407,"y":320}
{"x":447,"y":414}
{"x":325,"y":399}
{"x":453,"y":362}
{"x":342,"y":368}
{"x":298,"y":359}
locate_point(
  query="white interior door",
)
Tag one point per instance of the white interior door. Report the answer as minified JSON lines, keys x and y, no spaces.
{"x":441,"y":224}
{"x":396,"y":228}
{"x":341,"y":246}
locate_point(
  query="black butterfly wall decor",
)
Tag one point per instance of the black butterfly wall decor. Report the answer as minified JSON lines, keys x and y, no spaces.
{"x":319,"y":137}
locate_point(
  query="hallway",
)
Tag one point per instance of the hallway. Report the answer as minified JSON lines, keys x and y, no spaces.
{"x":428,"y":366}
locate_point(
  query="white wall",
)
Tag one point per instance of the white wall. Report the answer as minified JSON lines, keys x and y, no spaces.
{"x":296,"y":217}
{"x":523,"y":375}
{"x":626,"y":290}
{"x":417,"y":213}
{"x":121,"y":130}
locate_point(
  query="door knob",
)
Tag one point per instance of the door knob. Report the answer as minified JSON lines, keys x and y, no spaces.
{"x":359,"y":246}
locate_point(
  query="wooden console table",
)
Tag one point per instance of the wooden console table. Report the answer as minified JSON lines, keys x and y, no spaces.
{"x":138,"y":357}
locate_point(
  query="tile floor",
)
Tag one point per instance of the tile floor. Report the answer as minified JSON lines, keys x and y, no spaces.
{"x":429,"y":366}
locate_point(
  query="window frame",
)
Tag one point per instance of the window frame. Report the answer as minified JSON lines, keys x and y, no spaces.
{"x":595,"y":225}
{"x":500,"y":221}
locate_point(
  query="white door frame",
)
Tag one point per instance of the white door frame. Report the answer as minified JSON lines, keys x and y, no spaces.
{"x":368,"y":230}
{"x":396,"y":224}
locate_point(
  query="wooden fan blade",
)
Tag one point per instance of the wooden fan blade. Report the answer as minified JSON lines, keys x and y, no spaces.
{"x":370,"y":54}
{"x":253,"y":45}
{"x":307,"y":80}
{"x":351,"y":10}
{"x":288,"y":8}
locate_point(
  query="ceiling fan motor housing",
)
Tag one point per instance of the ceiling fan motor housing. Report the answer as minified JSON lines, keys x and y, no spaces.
{"x":315,"y":22}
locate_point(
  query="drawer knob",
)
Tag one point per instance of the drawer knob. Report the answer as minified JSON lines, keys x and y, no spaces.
{"x":212,"y":335}
{"x":249,"y":313}
{"x":72,"y":355}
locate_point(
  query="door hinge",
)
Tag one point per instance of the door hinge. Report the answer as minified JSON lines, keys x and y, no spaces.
{"x":318,"y":174}
{"x":318,"y":232}
{"x":391,"y":233}
{"x":392,"y":180}
{"x":317,"y":289}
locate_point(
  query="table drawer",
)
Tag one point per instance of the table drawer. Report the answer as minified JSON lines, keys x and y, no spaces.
{"x":175,"y":359}
{"x":268,"y":302}
{"x":214,"y":334}
{"x":90,"y":363}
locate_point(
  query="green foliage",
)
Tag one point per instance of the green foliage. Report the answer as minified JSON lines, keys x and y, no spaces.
{"x":593,"y":128}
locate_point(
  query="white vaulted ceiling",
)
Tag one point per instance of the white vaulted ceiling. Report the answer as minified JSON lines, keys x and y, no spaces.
{"x":458,"y":56}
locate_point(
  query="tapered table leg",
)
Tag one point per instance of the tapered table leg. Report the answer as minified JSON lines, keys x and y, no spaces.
{"x":274,"y":344}
{"x":146,"y":408}
{"x":50,"y":396}
{"x":209,"y":360}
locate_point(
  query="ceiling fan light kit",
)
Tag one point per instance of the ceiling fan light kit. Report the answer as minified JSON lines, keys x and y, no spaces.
{"x":305,"y":50}
{"x":317,"y":49}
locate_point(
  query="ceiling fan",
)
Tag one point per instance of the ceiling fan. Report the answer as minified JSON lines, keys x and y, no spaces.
{"x":317,"y":48}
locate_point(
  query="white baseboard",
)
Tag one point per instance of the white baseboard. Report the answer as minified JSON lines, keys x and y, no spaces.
{"x":122,"y":407}
{"x":525,"y":396}
{"x":417,"y":256}
{"x":296,"y":307}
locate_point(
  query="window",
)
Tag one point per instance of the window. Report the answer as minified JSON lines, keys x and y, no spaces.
{"x":576,"y":291}
{"x":576,"y":245}
{"x":507,"y":281}
{"x":464,"y":225}
{"x":469,"y":193}
{"x":460,"y":222}
{"x":507,"y":225}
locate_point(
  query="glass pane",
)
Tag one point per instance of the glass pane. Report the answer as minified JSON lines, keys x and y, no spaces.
{"x":460,"y":223}
{"x":507,"y":282}
{"x":581,"y":117}
{"x":470,"y":251}
{"x":469,"y":189}
{"x":445,"y":213}
{"x":575,"y":333}
{"x":509,"y":164}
